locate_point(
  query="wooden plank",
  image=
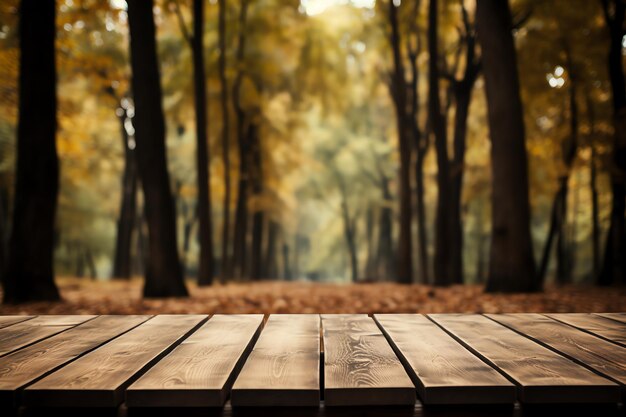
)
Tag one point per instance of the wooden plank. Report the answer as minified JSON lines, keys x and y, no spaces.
{"x":99,"y":378}
{"x":23,"y":367}
{"x":443,"y":371}
{"x":283,"y":368}
{"x":360,"y":368}
{"x":598,"y":354}
{"x":600,"y":326}
{"x":621,"y":317}
{"x":6,"y":321}
{"x":542,"y":375}
{"x":28,"y":332}
{"x":202,"y":369}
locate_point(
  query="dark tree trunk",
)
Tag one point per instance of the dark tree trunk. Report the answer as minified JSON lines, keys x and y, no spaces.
{"x":614,"y":264}
{"x":511,"y":267}
{"x":398,"y":93}
{"x":270,"y":264}
{"x":91,"y":264}
{"x":422,"y":232}
{"x":421,"y":143}
{"x":239,"y":261}
{"x":593,"y":174}
{"x":287,"y":275}
{"x":385,"y":240}
{"x":444,"y":239}
{"x":370,"y":264}
{"x":462,"y":90}
{"x":349,"y":227}
{"x":258,"y":217}
{"x":244,"y":131}
{"x":558,"y":216}
{"x":164,"y":275}
{"x":122,"y":262}
{"x":30,"y":269}
{"x":4,"y":209}
{"x":225,"y":264}
{"x":205,"y":223}
{"x":462,"y":99}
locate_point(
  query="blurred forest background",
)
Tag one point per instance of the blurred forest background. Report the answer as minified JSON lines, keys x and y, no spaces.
{"x":335,"y":141}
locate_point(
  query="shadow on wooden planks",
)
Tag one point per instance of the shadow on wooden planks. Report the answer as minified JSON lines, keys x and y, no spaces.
{"x":417,"y":411}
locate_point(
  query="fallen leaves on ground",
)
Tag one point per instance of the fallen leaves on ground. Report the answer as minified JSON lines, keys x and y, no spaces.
{"x":124,"y":297}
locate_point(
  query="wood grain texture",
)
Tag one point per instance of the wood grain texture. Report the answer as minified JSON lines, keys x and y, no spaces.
{"x":360,"y":368}
{"x":283,"y":367}
{"x":621,"y":317}
{"x":602,"y":356}
{"x":443,"y":371}
{"x":99,"y":378}
{"x":6,"y":321}
{"x":202,"y":369}
{"x":600,"y":326}
{"x":26,"y":365}
{"x":542,"y":375}
{"x":28,"y":332}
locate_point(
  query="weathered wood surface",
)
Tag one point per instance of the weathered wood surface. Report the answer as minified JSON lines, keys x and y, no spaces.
{"x":606,"y":328}
{"x":542,"y":375}
{"x":598,"y":354}
{"x":6,"y":321}
{"x":99,"y":378}
{"x":22,"y":334}
{"x":26,"y":365}
{"x":202,"y":369}
{"x":283,"y":367}
{"x":360,"y":368}
{"x":621,"y":317}
{"x":443,"y":371}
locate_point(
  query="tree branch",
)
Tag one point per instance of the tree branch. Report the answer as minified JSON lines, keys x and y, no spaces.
{"x":181,"y":22}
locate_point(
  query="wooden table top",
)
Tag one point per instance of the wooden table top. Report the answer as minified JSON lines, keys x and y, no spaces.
{"x":391,"y":364}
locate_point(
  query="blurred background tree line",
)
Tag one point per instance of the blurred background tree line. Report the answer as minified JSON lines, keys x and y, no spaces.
{"x":416,"y":141}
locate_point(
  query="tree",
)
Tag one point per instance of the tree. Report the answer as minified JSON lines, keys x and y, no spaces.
{"x":30,"y":270}
{"x":398,"y":94}
{"x":164,"y":275}
{"x":614,"y":264}
{"x":122,"y":261}
{"x":245,"y":132}
{"x":225,"y":270}
{"x":511,"y":267}
{"x":444,"y":239}
{"x":205,"y":223}
{"x":462,"y":92}
{"x":559,"y":206}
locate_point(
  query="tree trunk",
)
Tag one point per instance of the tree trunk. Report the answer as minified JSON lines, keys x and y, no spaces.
{"x":385,"y":236}
{"x":511,"y":266}
{"x":30,"y":269}
{"x":398,"y":93}
{"x":370,"y":266}
{"x":287,"y":276}
{"x":122,"y":262}
{"x":225,"y":264}
{"x":3,"y":231}
{"x":258,"y":217}
{"x":164,"y":275}
{"x":614,"y":265}
{"x":421,"y":143}
{"x":444,"y":239}
{"x":558,"y":219}
{"x":205,"y":223}
{"x":593,"y":174}
{"x":462,"y":100}
{"x":239,"y":261}
{"x":270,"y":264}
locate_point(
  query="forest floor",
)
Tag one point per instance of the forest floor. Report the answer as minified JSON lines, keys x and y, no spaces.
{"x":124,"y":297}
